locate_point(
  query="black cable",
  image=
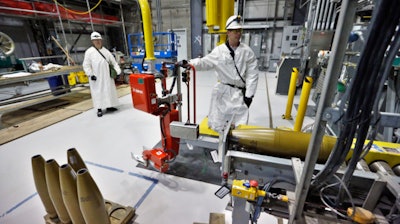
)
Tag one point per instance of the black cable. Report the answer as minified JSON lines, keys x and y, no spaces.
{"x":173,"y":84}
{"x":359,"y":108}
{"x":373,"y":83}
{"x":394,"y":48}
{"x":353,"y":112}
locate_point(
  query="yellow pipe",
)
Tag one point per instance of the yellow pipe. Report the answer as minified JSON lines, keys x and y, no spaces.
{"x":280,"y":143}
{"x":305,"y":93}
{"x":211,"y":14}
{"x":207,"y":14}
{"x":147,"y":29}
{"x":227,"y":10}
{"x":292,"y":91}
{"x":222,"y":39}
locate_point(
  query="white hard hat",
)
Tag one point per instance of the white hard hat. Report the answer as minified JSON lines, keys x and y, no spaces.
{"x":95,"y":36}
{"x":234,"y":22}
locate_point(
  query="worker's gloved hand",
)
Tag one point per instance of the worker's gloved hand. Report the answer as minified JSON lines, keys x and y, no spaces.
{"x":183,"y":64}
{"x":248,"y":100}
{"x":93,"y":78}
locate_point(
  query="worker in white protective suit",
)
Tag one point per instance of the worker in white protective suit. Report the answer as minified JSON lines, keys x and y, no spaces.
{"x":96,"y":66}
{"x":236,"y":68}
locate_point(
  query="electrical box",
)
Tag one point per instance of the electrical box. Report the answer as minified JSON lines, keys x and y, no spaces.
{"x":241,"y":190}
{"x":143,"y":92}
{"x":292,"y":38}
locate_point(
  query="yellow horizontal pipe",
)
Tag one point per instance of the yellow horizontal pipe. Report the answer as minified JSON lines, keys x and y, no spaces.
{"x":147,"y":29}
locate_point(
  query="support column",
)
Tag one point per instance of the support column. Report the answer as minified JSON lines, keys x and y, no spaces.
{"x":196,"y":26}
{"x":345,"y":24}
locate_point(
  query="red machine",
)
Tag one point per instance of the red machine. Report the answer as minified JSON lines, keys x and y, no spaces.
{"x":145,"y":98}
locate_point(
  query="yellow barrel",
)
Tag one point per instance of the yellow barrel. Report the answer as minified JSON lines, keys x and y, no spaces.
{"x":82,"y":77}
{"x":72,"y":78}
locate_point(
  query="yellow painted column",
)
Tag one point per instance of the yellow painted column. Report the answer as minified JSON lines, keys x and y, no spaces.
{"x":305,"y":93}
{"x":292,"y":91}
{"x":211,"y":14}
{"x":227,"y":9}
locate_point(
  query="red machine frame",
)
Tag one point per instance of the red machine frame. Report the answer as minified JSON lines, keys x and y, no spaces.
{"x":145,"y":98}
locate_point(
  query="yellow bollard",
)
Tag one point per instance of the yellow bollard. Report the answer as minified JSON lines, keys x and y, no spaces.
{"x":305,"y":93}
{"x":292,"y":91}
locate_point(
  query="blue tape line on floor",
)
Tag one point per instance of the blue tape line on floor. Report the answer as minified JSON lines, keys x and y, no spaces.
{"x":105,"y":167}
{"x":17,"y":205}
{"x":143,"y":177}
{"x":155,"y":181}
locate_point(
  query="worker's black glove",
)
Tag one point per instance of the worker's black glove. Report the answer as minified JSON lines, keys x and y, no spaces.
{"x":248,"y":100}
{"x":183,"y":64}
{"x":93,"y":78}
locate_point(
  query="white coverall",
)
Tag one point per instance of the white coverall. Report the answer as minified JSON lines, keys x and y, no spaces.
{"x":103,"y":90}
{"x":226,"y":100}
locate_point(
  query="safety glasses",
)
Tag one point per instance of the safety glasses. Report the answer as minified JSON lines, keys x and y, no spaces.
{"x":236,"y":31}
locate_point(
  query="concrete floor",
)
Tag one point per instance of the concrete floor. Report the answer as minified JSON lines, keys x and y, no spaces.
{"x":106,"y":145}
